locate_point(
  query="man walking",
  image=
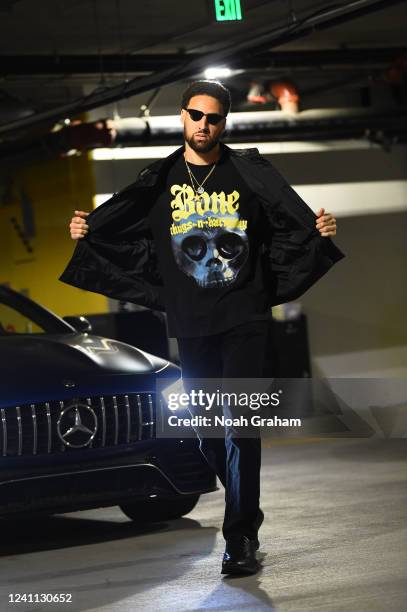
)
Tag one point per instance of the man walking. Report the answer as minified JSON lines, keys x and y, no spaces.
{"x":213,"y":236}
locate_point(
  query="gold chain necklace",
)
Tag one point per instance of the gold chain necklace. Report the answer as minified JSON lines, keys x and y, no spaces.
{"x":199,"y":189}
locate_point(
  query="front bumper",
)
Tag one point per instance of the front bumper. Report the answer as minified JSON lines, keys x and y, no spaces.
{"x":164,"y":469}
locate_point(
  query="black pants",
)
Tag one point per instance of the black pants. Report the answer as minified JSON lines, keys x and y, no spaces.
{"x":236,"y":353}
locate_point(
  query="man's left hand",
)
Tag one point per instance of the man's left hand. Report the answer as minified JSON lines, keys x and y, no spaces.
{"x":326,"y":223}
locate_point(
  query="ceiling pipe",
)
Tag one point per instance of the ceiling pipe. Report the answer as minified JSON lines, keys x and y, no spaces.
{"x":387,"y":125}
{"x":37,"y":65}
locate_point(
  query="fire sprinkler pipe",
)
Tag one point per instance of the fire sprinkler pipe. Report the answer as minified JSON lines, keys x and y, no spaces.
{"x":283,"y":91}
{"x":286,"y":94}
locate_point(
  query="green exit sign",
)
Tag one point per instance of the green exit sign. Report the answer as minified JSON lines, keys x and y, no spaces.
{"x":228,"y":10}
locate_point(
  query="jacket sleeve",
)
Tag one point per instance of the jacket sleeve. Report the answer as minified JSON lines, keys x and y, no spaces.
{"x":117,"y":257}
{"x":95,"y":266}
{"x":297,"y":253}
{"x":300,"y":253}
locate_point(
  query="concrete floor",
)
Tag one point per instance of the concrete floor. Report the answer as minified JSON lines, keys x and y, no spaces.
{"x":334,"y":539}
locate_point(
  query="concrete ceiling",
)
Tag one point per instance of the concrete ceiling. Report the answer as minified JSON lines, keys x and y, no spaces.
{"x":167,"y":26}
{"x":96,"y":29}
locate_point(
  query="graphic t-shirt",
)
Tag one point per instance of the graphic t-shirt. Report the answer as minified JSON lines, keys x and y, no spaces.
{"x":208,"y":249}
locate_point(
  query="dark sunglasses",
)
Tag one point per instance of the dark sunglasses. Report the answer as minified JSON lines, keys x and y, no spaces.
{"x":196,"y":115}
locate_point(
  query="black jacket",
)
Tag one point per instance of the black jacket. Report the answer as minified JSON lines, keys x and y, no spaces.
{"x":117,"y":257}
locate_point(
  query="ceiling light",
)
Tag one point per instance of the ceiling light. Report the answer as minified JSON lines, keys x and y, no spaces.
{"x":217,"y":73}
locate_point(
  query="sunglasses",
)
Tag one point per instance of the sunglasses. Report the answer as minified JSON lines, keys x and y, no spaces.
{"x":196,"y":115}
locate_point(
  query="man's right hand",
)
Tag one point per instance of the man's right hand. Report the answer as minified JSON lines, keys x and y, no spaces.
{"x":78,"y":225}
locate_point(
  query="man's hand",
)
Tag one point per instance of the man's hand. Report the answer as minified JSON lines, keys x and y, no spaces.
{"x":78,"y":225}
{"x":326,"y":224}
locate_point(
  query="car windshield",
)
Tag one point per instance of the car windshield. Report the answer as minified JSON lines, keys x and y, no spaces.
{"x":20,"y":315}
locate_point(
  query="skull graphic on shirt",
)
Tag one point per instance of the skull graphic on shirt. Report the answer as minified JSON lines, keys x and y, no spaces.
{"x":212,"y":256}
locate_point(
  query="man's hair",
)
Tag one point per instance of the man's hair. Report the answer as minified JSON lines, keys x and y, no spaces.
{"x":207,"y":88}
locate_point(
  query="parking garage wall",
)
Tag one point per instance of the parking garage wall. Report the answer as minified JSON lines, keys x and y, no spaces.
{"x":37,"y":203}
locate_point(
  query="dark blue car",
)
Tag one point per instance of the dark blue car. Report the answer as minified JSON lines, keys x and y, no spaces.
{"x":77,"y":422}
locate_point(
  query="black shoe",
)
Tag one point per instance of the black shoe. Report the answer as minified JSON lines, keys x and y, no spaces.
{"x":256,"y":544}
{"x":260,"y":519}
{"x":240,"y":557}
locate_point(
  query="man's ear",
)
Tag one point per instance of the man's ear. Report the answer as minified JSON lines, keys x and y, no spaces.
{"x":182,"y":116}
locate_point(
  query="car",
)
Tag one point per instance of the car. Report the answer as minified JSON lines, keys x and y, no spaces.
{"x":78,"y":422}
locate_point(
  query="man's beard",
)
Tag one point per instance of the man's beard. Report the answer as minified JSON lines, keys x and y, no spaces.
{"x":203,"y":146}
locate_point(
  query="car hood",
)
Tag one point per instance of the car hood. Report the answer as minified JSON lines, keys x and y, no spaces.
{"x":45,"y":366}
{"x":71,"y":354}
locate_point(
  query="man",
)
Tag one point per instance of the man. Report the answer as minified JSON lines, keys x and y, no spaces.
{"x":213,"y":236}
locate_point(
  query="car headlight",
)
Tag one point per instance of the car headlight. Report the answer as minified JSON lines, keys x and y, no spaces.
{"x":174,"y":396}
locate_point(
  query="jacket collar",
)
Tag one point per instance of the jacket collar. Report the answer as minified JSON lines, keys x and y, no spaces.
{"x":163,"y":164}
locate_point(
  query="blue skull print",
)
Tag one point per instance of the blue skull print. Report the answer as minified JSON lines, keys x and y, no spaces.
{"x":210,"y":249}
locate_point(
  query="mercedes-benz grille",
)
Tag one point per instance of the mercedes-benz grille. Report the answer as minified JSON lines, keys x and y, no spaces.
{"x":64,"y":426}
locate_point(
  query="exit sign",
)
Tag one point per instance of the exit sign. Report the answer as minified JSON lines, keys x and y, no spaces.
{"x":228,"y":10}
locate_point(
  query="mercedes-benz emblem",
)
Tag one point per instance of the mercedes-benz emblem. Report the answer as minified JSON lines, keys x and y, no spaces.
{"x":77,"y":425}
{"x":69,"y":384}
